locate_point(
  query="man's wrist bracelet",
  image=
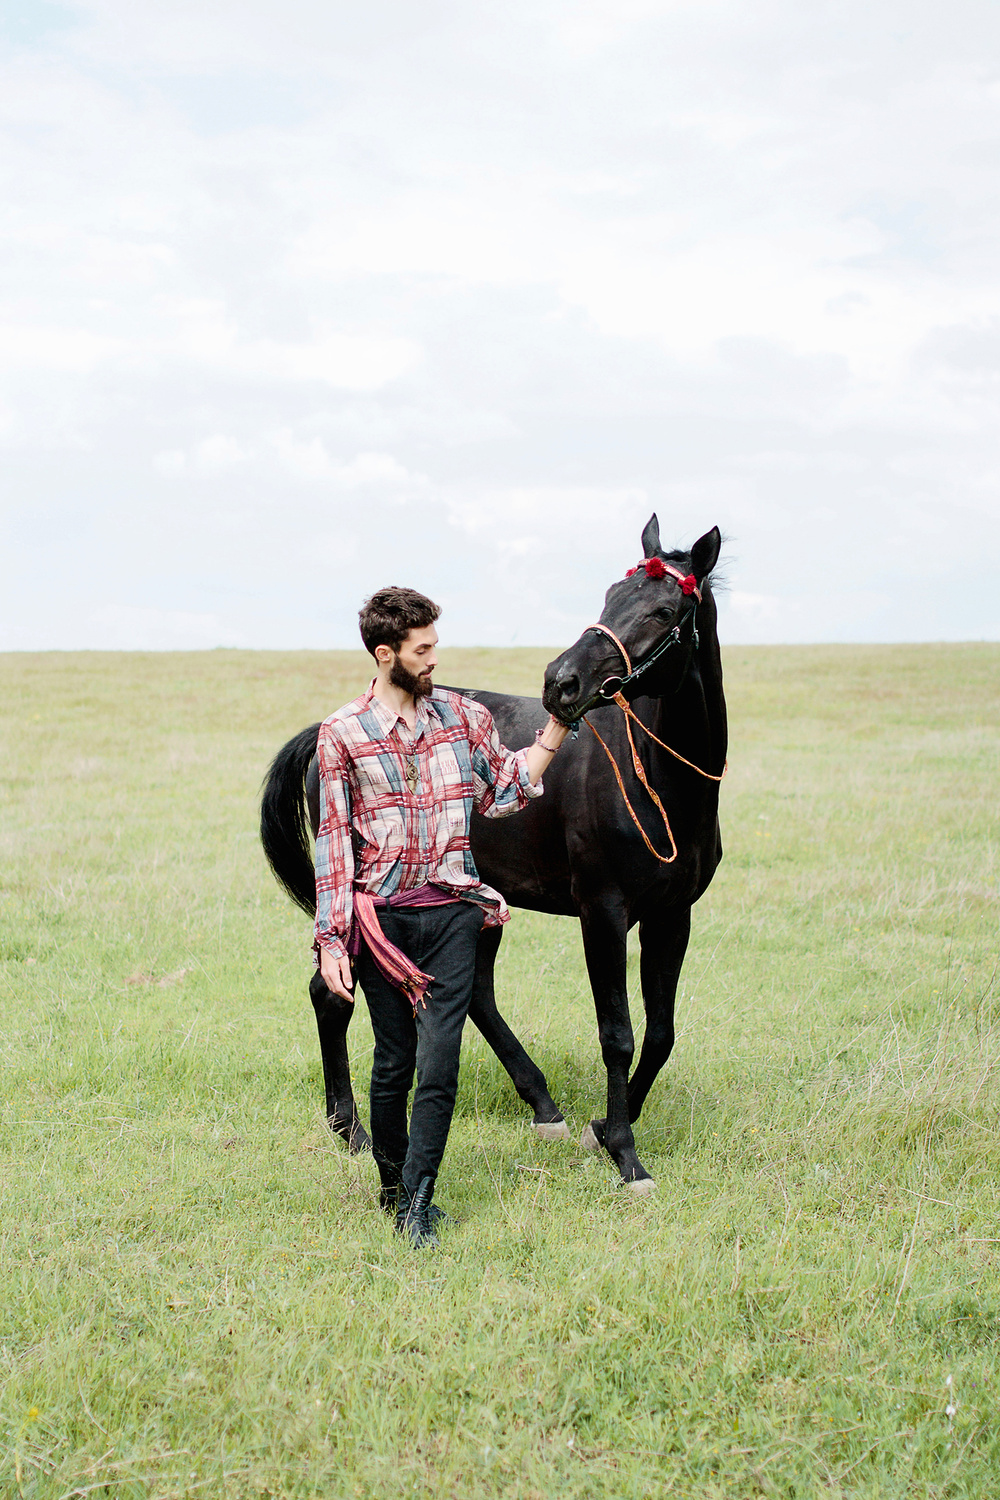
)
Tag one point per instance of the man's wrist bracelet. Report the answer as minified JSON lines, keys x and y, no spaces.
{"x":551,"y":750}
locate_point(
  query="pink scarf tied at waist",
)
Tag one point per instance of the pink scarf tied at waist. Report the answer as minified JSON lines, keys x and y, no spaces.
{"x":391,"y":962}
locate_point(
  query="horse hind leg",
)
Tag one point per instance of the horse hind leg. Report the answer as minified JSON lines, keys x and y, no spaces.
{"x":527,"y":1078}
{"x":333,"y":1016}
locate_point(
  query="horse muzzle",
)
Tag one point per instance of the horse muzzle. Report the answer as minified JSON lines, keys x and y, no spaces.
{"x":562,"y":693}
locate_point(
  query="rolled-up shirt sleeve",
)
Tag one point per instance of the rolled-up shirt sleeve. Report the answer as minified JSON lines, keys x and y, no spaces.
{"x":500,"y":782}
{"x":334,"y":851}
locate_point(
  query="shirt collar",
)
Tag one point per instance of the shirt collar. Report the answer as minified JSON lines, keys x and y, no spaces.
{"x":387,"y":720}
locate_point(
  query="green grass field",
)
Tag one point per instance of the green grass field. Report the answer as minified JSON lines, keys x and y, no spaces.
{"x":198,"y":1295}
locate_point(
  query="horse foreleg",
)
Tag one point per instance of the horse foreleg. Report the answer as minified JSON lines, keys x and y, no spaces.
{"x":333,"y":1016}
{"x":526,"y":1076}
{"x":604,"y":933}
{"x":663,"y":940}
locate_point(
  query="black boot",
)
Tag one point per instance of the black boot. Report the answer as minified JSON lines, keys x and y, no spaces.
{"x":388,"y":1202}
{"x":413,"y":1214}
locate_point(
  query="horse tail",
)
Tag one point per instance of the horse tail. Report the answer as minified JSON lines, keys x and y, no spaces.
{"x":284,"y":828}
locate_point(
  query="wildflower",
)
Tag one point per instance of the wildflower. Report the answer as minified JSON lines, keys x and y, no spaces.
{"x":952,"y":1406}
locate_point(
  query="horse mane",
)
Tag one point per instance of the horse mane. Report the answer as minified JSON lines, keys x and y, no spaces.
{"x":717,"y":580}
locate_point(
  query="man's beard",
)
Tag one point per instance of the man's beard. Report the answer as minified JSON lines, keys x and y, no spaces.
{"x":417,"y":687}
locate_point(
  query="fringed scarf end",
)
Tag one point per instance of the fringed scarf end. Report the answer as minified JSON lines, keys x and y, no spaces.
{"x":392,"y":961}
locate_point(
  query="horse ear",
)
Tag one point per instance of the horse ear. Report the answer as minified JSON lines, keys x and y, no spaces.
{"x":651,"y":537}
{"x":705,"y":553}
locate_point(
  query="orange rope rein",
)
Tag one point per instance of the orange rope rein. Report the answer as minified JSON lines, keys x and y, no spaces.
{"x":665,"y":859}
{"x":630,"y":715}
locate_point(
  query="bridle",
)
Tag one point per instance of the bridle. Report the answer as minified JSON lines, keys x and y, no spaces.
{"x":611,"y":686}
{"x":655,"y":567}
{"x":612,"y":690}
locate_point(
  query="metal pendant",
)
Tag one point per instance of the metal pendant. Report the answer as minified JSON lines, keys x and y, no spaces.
{"x":412,"y":776}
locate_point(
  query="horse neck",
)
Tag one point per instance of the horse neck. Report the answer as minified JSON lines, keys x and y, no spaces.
{"x":692,"y":720}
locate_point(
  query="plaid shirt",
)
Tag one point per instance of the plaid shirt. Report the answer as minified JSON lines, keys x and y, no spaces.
{"x":377,"y":834}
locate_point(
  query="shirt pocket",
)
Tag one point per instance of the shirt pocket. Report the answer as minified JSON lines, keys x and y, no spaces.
{"x":379,"y":779}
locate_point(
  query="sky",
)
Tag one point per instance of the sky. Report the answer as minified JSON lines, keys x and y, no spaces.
{"x":301,"y":299}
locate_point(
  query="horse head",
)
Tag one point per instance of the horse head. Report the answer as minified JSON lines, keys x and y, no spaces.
{"x":645,"y":613}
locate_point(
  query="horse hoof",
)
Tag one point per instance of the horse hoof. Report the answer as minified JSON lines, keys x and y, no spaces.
{"x":351,"y":1132}
{"x":552,"y":1130}
{"x":588,"y":1139}
{"x":642,"y":1187}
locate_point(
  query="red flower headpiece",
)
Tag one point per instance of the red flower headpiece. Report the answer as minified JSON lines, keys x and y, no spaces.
{"x":656,"y":568}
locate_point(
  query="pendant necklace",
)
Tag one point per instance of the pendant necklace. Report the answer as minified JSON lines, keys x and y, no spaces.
{"x":412,"y":775}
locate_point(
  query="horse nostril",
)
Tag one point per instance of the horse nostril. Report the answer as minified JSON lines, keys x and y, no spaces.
{"x":568,"y":688}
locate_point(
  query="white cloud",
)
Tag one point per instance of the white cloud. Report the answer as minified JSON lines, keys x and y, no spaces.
{"x":74,"y":351}
{"x":757,"y":608}
{"x":351,"y":362}
{"x":463,"y":293}
{"x":171,"y":462}
{"x":219,"y":452}
{"x":377,"y":469}
{"x":115,"y":627}
{"x":118,"y":627}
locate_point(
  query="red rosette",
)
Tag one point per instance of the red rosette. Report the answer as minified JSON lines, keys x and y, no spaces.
{"x":689,"y":585}
{"x":655,"y":567}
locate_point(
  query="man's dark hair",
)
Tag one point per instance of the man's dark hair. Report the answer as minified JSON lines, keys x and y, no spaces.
{"x":387,"y":618}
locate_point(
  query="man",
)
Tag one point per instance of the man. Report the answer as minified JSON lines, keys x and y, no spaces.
{"x":401,"y":769}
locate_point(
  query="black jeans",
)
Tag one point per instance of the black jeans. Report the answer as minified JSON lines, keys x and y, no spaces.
{"x":441,"y":940}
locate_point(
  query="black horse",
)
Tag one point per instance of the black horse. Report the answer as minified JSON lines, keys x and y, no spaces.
{"x":600,"y":845}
